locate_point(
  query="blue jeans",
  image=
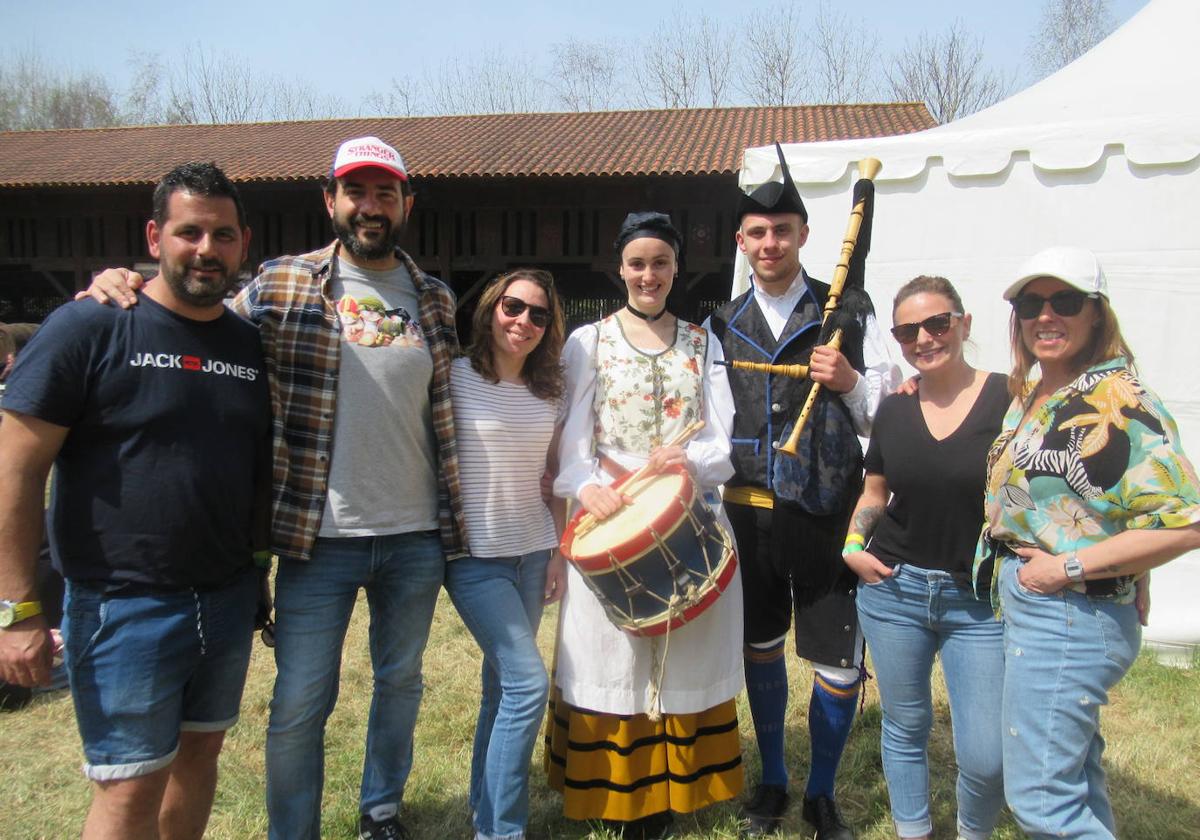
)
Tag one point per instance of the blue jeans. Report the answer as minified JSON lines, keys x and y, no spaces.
{"x":907,"y":619}
{"x":145,"y":667}
{"x":402,"y":574}
{"x":500,"y":601}
{"x":1062,"y":654}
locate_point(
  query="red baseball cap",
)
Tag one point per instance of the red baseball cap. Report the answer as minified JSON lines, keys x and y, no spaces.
{"x":367,"y":151}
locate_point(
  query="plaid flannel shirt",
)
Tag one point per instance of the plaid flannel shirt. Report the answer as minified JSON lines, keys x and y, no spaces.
{"x":290,"y":302}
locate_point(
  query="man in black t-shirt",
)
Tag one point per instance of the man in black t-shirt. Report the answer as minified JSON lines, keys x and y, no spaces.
{"x":157,"y":422}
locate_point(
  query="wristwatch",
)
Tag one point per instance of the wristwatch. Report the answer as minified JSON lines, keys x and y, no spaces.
{"x":1073,"y":568}
{"x":13,"y":611}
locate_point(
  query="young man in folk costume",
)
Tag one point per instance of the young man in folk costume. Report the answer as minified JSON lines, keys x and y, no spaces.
{"x":790,"y":514}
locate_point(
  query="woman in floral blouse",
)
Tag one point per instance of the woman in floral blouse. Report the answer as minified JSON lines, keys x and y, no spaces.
{"x":644,"y":726}
{"x":1088,"y":488}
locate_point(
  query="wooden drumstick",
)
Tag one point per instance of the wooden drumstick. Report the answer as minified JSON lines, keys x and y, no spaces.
{"x":588,"y":521}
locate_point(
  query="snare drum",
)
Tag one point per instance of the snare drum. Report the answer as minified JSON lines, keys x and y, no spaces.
{"x":657,"y":563}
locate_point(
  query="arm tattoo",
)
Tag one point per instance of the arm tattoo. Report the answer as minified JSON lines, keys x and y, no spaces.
{"x":866,"y":519}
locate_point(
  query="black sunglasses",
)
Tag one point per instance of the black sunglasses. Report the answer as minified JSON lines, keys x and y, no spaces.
{"x":514,"y":306}
{"x":935,"y":325}
{"x":1068,"y":302}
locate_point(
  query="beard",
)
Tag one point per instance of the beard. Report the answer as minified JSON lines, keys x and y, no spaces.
{"x":384,"y":246}
{"x":195,"y":291}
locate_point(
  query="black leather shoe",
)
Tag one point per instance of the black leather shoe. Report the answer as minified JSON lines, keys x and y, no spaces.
{"x":659,"y":826}
{"x":763,"y":814}
{"x":822,"y":814}
{"x":654,"y":827}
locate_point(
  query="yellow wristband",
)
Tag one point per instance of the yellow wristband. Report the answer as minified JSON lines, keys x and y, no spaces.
{"x":856,"y":538}
{"x":12,"y":612}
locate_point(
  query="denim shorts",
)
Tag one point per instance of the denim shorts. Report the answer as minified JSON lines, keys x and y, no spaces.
{"x":144,"y":667}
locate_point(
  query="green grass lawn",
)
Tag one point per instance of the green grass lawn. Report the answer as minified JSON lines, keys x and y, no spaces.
{"x":1152,"y":728}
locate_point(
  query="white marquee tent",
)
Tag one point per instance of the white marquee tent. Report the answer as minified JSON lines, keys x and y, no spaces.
{"x":1104,"y":154}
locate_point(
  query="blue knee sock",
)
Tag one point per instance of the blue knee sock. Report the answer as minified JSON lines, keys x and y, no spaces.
{"x":767,"y":690}
{"x":830,"y":715}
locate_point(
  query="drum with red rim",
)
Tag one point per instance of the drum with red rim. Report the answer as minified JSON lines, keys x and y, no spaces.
{"x":657,"y":563}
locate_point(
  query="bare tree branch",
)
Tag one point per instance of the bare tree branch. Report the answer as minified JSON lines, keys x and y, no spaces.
{"x":946,"y":72}
{"x":689,"y":69}
{"x":142,"y":103}
{"x":1068,"y":29}
{"x":399,"y":100}
{"x":287,"y":99}
{"x":670,"y":75}
{"x":203,"y":86}
{"x":773,"y":69}
{"x":715,"y":46}
{"x":845,"y":63}
{"x":33,"y":95}
{"x":206,"y":87}
{"x":493,"y":85}
{"x":584,"y":76}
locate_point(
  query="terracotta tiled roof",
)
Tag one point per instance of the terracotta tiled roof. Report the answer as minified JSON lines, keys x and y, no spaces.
{"x":660,"y":142}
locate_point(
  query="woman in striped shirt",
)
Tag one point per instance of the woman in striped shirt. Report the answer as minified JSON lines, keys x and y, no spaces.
{"x":507,"y":395}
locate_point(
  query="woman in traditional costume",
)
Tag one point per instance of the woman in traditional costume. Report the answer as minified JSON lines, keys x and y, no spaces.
{"x":644,"y":726}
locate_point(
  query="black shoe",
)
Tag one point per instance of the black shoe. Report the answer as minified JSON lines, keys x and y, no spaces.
{"x":389,"y":829}
{"x":822,"y":814}
{"x":654,"y":827}
{"x":763,"y":814}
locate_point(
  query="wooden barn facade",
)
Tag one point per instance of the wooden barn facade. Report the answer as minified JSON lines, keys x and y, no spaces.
{"x":493,"y":192}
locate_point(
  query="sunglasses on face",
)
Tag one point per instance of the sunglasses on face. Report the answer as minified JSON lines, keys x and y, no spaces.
{"x":935,"y":325}
{"x":1068,"y":302}
{"x":511,"y":306}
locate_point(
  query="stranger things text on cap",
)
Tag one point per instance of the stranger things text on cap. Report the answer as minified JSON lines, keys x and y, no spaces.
{"x":367,"y":151}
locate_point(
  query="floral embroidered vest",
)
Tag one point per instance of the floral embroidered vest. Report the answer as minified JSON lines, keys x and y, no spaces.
{"x":644,"y":399}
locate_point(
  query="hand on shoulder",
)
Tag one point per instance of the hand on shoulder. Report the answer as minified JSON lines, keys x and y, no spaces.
{"x":114,"y":285}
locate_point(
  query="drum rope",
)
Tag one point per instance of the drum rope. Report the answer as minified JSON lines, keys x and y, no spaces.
{"x":658,"y":669}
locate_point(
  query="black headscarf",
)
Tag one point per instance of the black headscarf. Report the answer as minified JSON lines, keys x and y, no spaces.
{"x":648,"y":224}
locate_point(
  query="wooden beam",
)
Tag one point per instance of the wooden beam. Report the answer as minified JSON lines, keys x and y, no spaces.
{"x":474,"y":290}
{"x":58,"y":287}
{"x":616,"y":280}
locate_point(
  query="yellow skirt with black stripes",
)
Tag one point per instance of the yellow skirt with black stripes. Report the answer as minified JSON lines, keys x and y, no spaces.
{"x":623,"y":767}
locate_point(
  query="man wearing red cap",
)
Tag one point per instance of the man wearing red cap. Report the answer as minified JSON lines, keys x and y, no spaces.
{"x":358,"y":342}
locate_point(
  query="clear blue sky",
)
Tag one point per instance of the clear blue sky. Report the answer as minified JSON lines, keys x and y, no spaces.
{"x":338,"y":47}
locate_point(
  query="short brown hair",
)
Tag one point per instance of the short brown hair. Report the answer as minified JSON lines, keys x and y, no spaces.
{"x":542,"y":370}
{"x":928,"y":284}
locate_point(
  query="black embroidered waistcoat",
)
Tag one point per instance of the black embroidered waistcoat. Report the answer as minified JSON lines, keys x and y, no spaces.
{"x":827,"y":468}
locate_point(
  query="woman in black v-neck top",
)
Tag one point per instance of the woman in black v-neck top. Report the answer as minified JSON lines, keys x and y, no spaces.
{"x":928,"y":453}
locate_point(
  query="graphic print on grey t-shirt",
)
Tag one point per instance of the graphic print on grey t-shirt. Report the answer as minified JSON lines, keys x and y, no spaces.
{"x":367,"y":322}
{"x":382,"y":477}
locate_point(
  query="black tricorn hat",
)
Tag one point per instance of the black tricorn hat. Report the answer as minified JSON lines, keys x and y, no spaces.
{"x":774,"y":197}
